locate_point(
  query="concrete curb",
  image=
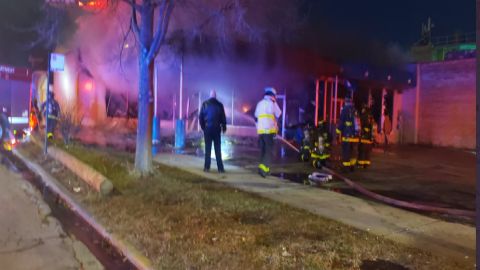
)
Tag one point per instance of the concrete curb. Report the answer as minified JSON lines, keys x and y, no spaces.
{"x":130,"y":252}
{"x":93,"y":178}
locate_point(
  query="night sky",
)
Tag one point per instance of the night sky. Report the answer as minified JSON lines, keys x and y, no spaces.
{"x":331,"y":21}
{"x":392,"y":21}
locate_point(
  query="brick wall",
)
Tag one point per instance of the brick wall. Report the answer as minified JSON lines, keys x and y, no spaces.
{"x":446,"y":105}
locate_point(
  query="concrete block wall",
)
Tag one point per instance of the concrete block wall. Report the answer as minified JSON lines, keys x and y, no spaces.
{"x":446,"y":115}
{"x":407,"y":117}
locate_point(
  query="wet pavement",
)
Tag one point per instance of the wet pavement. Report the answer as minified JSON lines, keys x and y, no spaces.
{"x":439,"y":177}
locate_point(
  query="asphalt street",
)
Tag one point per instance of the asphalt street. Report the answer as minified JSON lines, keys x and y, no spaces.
{"x":30,"y":238}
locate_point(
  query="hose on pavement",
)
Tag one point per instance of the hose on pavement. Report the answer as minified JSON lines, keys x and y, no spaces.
{"x":388,"y":200}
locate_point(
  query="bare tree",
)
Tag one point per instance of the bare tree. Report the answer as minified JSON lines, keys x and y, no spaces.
{"x":69,"y":123}
{"x":150,"y":41}
{"x":159,"y":22}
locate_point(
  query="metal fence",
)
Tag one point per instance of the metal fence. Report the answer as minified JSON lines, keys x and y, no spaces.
{"x":454,"y":39}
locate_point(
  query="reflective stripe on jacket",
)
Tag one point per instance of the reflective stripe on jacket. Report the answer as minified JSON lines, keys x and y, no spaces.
{"x":267,"y":112}
{"x":347,"y":121}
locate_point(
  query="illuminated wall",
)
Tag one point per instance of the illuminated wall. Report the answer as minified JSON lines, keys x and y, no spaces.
{"x":446,"y":106}
{"x":79,"y":92}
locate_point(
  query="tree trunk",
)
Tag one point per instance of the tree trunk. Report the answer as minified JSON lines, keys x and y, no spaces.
{"x":143,"y":152}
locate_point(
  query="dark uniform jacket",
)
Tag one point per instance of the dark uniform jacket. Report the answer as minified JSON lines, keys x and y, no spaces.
{"x":53,"y":110}
{"x":212,"y":116}
{"x":4,"y":125}
{"x":347,"y":122}
{"x":323,"y":131}
{"x":366,"y":123}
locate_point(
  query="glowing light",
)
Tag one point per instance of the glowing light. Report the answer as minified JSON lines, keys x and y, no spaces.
{"x":93,"y":5}
{"x":226,"y":147}
{"x":67,"y":87}
{"x":18,"y":120}
{"x":245,"y":108}
{"x":28,"y":132}
{"x":126,"y":46}
{"x":89,"y":86}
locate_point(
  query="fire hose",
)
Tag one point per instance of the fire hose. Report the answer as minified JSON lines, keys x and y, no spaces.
{"x":388,"y":200}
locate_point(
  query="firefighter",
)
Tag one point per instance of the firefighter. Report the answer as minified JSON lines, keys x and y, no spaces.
{"x":323,"y":139}
{"x":366,"y":137}
{"x":266,"y":114}
{"x":6,"y":135}
{"x":346,"y":131}
{"x":52,"y":113}
{"x":307,"y":143}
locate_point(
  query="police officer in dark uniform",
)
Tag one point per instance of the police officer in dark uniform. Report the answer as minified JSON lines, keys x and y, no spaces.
{"x":346,"y":131}
{"x":366,"y":137}
{"x":213,"y":122}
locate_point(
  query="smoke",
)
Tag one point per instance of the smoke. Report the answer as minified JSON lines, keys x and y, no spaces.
{"x":232,"y":64}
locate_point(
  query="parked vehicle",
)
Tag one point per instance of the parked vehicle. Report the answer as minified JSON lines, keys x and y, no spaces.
{"x":15,"y":98}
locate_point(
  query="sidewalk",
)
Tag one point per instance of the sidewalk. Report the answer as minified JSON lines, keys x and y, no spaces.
{"x":29,"y":237}
{"x":435,"y":176}
{"x":439,"y":237}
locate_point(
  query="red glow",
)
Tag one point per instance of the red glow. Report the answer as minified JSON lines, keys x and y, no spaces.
{"x":89,"y":86}
{"x":93,"y":5}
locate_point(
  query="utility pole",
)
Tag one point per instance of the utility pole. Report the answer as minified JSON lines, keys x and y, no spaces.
{"x":336,"y":99}
{"x":181,"y":91}
{"x":199,"y":108}
{"x":284,"y":113}
{"x":47,"y":105}
{"x":180,"y":123}
{"x":56,"y":62}
{"x":156,"y":119}
{"x":233,"y":95}
{"x":317,"y":85}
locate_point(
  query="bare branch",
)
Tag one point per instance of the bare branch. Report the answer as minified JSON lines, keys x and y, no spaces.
{"x":125,"y":37}
{"x":165,"y":11}
{"x":227,"y":7}
{"x":133,"y":4}
{"x":49,"y":31}
{"x":134,"y":25}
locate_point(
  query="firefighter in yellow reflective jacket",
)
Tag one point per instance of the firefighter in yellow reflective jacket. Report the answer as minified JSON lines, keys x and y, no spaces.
{"x":346,"y":130}
{"x":266,"y":114}
{"x":366,"y":137}
{"x":322,"y":143}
